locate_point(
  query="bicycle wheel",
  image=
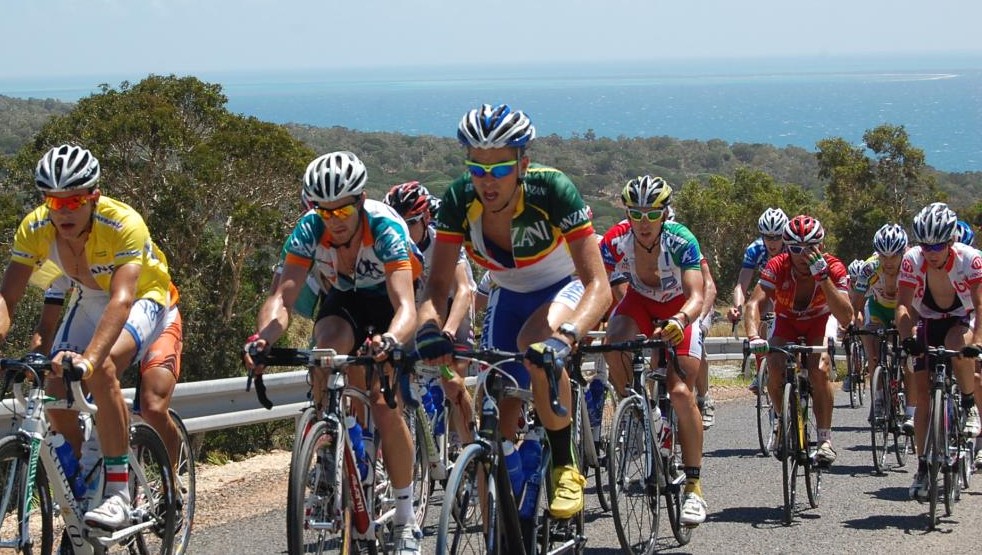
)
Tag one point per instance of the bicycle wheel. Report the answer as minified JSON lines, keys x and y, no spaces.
{"x":952,"y":437}
{"x":966,"y":462}
{"x":469,"y":519}
{"x":809,"y":444}
{"x":152,"y":491}
{"x":880,"y":420}
{"x":787,"y":437}
{"x":674,"y":472}
{"x":633,"y":495}
{"x":184,"y":484}
{"x":421,"y":467}
{"x":601,"y":441}
{"x":18,"y":507}
{"x":935,"y":454}
{"x":765,"y":412}
{"x":304,"y":423}
{"x":854,"y":365}
{"x":903,"y":443}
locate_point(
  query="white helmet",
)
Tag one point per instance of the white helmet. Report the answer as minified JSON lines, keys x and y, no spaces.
{"x":334,"y":176}
{"x":66,"y":168}
{"x":495,"y":127}
{"x":936,"y":223}
{"x":772,"y":222}
{"x":854,"y":268}
{"x":890,"y":239}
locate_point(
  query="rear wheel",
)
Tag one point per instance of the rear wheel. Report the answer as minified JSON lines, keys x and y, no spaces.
{"x":789,"y":462}
{"x":880,"y":420}
{"x":809,"y":439}
{"x":674,"y":472}
{"x":856,"y":364}
{"x":151,"y":491}
{"x":184,"y":484}
{"x":633,"y":500}
{"x":601,"y":441}
{"x":469,"y":509}
{"x":765,"y":412}
{"x":903,"y":443}
{"x":34,"y":507}
{"x":421,"y":468}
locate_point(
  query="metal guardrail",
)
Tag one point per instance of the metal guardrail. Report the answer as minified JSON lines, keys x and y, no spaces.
{"x":218,"y":404}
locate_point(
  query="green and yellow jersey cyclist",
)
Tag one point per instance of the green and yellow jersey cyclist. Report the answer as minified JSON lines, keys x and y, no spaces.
{"x":528,"y":225}
{"x":874,"y":296}
{"x":124,"y":303}
{"x":360,"y":253}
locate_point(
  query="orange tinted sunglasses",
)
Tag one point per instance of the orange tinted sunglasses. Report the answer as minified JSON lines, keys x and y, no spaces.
{"x":72,"y":203}
{"x":340,"y":212}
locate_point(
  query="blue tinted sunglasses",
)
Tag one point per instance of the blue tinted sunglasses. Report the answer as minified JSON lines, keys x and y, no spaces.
{"x":935,"y":247}
{"x":497,"y":171}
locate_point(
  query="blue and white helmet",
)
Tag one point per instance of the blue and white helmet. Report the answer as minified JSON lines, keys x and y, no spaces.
{"x":334,"y":176}
{"x":964,"y":233}
{"x":495,"y":127}
{"x":935,"y":223}
{"x":890,"y":240}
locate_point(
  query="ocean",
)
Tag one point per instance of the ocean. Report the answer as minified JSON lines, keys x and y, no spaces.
{"x":781,"y":102}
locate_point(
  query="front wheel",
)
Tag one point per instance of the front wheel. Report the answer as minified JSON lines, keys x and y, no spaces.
{"x":765,"y":412}
{"x":633,"y":493}
{"x":469,"y":518}
{"x":25,"y":519}
{"x":880,"y":418}
{"x":674,"y":472}
{"x":787,"y":438}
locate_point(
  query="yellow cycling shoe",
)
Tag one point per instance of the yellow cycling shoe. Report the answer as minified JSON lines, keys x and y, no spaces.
{"x":567,"y":485}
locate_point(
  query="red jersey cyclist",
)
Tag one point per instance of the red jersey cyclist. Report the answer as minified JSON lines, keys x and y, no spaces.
{"x":807,"y":287}
{"x":939,"y":291}
{"x":664,"y":297}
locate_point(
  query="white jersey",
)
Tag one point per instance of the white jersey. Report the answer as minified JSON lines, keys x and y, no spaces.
{"x":964,"y":268}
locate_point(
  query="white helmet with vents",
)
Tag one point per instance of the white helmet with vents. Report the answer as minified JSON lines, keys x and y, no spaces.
{"x":334,"y":176}
{"x":66,"y":168}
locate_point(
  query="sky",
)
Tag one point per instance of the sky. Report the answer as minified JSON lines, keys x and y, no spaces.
{"x":47,"y":38}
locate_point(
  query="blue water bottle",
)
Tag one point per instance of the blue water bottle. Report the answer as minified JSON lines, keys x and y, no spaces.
{"x":357,"y":444}
{"x":531,"y":452}
{"x":513,"y":462}
{"x":595,"y":394}
{"x":439,"y":424}
{"x":69,"y":464}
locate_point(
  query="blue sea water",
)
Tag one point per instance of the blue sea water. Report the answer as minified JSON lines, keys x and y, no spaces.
{"x":781,"y":102}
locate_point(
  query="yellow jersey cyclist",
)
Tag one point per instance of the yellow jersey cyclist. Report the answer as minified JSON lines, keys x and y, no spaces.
{"x":528,"y":225}
{"x":770,"y":225}
{"x":413,"y":203}
{"x":940,"y":291}
{"x":664,"y":297}
{"x":360,"y":252}
{"x":874,"y":297}
{"x":125,"y":301}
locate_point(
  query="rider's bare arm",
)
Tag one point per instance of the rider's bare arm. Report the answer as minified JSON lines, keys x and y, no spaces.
{"x":15,"y":279}
{"x":399,"y":285}
{"x":462,"y":299}
{"x":596,"y":287}
{"x":739,"y":293}
{"x":433,"y":307}
{"x":751,"y":317}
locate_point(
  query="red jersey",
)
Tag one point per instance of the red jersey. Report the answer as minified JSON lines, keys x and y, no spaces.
{"x":779,"y":280}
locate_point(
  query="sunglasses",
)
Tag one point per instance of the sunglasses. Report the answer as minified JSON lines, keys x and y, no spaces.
{"x":773,"y":237}
{"x":797,"y":249}
{"x":497,"y":171}
{"x":340,"y":213}
{"x":72,"y":203}
{"x":935,"y":247}
{"x":652,"y":215}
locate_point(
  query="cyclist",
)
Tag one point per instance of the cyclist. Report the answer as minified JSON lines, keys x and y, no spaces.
{"x":413,"y":203}
{"x":359,"y":250}
{"x":770,"y":224}
{"x":126,"y":301}
{"x":966,"y":235}
{"x":663,"y":299}
{"x":528,"y":225}
{"x":807,"y":286}
{"x":939,"y":292}
{"x":874,"y":297}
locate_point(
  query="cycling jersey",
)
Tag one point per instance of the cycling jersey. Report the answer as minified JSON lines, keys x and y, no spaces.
{"x":118,"y":236}
{"x":385,"y":248}
{"x":871,"y":282}
{"x":426,"y":248}
{"x":964,"y":269}
{"x":549,"y":215}
{"x":755,"y":257}
{"x":679,"y":252}
{"x":778,"y":277}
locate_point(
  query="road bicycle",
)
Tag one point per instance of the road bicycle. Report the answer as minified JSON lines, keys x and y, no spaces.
{"x":32,"y":491}
{"x":646,"y":455}
{"x":480,"y":512}
{"x":766,"y":415}
{"x":855,"y":367}
{"x":888,"y":409}
{"x":796,"y":433}
{"x":947,"y":451}
{"x":332,"y":504}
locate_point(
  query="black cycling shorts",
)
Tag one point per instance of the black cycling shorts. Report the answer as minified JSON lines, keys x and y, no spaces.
{"x":361,"y":311}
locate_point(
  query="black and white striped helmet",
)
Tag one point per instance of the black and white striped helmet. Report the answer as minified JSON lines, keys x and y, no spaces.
{"x":935,"y":223}
{"x":495,"y":127}
{"x":334,"y":176}
{"x":772,"y":222}
{"x":890,"y":240}
{"x":66,"y":168}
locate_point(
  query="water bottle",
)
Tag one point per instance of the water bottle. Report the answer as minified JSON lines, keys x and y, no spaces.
{"x":371,"y":455}
{"x":89,"y":466}
{"x":439,"y":423}
{"x":595,"y":402}
{"x":531,"y":452}
{"x":513,"y":462}
{"x":69,"y":464}
{"x":357,"y":444}
{"x":665,"y":443}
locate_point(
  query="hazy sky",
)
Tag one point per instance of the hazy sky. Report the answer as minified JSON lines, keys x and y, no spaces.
{"x":118,"y":37}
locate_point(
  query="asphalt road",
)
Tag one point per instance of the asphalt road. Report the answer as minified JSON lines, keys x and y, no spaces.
{"x":859,"y":513}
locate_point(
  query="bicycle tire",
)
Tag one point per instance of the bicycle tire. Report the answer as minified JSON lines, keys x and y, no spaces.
{"x":461,"y":530}
{"x":853,"y":364}
{"x":602,"y":446}
{"x":789,"y":461}
{"x":934,"y":443}
{"x":674,"y":473}
{"x":880,"y":418}
{"x":809,"y":442}
{"x":632,"y":495}
{"x":966,"y":462}
{"x":152,"y":490}
{"x":14,"y":462}
{"x":765,"y":412}
{"x":421,"y":468}
{"x":184,"y":483}
{"x":903,"y":443}
{"x":952,"y":437}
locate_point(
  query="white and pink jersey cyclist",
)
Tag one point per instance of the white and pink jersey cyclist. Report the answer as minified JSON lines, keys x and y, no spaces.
{"x":964,"y":269}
